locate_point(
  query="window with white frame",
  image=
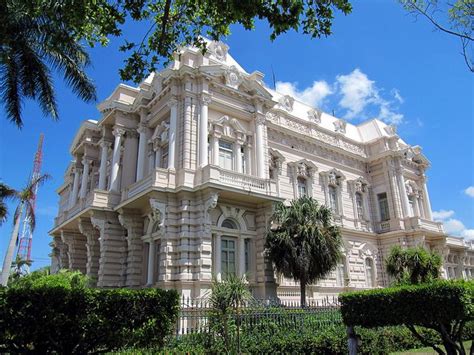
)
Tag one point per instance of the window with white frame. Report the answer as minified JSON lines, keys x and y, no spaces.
{"x":226,"y":155}
{"x":333,"y":203}
{"x":247,"y":255}
{"x":341,"y":273}
{"x":369,"y":272}
{"x":228,"y":257}
{"x":359,"y":205}
{"x":302,"y":187}
{"x":383,"y":207}
{"x":411,"y":201}
{"x":164,"y":157}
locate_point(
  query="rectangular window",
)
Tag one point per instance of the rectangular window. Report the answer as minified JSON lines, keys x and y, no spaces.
{"x":340,"y":274}
{"x":360,"y":206}
{"x":226,"y":155}
{"x":302,"y":188}
{"x":383,"y":207}
{"x":164,"y":157}
{"x":333,"y":199}
{"x":247,"y":255}
{"x":228,"y":256}
{"x":411,"y":201}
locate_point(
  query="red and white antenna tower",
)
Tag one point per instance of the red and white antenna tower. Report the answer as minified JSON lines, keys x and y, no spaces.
{"x":26,"y":237}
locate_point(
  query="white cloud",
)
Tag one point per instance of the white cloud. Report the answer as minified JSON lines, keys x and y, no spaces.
{"x":313,"y":95}
{"x":469,"y":191}
{"x":452,"y":226}
{"x":397,"y":96}
{"x":442,"y":215}
{"x":468,"y":233}
{"x":357,"y":92}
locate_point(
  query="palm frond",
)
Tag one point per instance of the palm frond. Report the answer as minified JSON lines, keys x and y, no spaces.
{"x":10,"y":89}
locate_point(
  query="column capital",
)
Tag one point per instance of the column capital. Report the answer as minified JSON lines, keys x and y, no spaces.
{"x":260,"y":119}
{"x":104,"y":144}
{"x":119,"y":131}
{"x":205,"y":99}
{"x":86,"y":161}
{"x":142,"y":128}
{"x":172,"y":102}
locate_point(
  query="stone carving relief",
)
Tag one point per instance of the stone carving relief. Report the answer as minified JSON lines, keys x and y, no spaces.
{"x":286,"y":102}
{"x":233,"y":77}
{"x":160,"y":135}
{"x":340,"y":126}
{"x":391,"y":130}
{"x":314,"y":115}
{"x":219,"y":50}
{"x":228,"y":127}
{"x":156,"y":216}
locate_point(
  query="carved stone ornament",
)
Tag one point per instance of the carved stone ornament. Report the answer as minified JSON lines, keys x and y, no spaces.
{"x":219,"y":50}
{"x":233,"y":77}
{"x":209,"y":204}
{"x":340,"y":126}
{"x":287,"y":102}
{"x":314,"y":115}
{"x":157,"y":214}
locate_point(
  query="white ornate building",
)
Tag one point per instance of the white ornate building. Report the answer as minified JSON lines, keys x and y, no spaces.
{"x":175,"y":184}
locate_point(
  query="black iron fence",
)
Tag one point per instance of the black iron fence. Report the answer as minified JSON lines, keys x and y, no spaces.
{"x":195,"y":314}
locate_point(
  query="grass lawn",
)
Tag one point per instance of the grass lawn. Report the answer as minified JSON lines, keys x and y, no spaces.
{"x":430,"y":351}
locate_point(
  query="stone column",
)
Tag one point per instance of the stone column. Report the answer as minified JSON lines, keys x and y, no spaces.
{"x":416,"y":210}
{"x":173,"y":105}
{"x":248,"y":160}
{"x":426,"y":200}
{"x":113,"y":249}
{"x":238,"y":156}
{"x":92,"y":246}
{"x":157,"y":150}
{"x":75,"y":187}
{"x":215,"y":150}
{"x":187,"y":132}
{"x":403,"y":194}
{"x":217,"y":258}
{"x":114,"y":176}
{"x":132,"y":221}
{"x":203,"y":130}
{"x":259,"y":127}
{"x":142,"y":143}
{"x":85,"y":177}
{"x":241,"y":248}
{"x":103,"y":164}
{"x":76,"y":243}
{"x":151,"y":262}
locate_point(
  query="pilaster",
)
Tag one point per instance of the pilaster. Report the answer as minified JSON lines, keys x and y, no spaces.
{"x":77,"y":253}
{"x":93,"y":248}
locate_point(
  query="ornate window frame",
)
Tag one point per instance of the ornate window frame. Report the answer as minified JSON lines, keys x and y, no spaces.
{"x":334,"y":178}
{"x":360,"y":186}
{"x":160,"y":143}
{"x":302,"y":169}
{"x":416,"y":194}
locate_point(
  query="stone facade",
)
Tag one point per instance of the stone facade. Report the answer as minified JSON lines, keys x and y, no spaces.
{"x":174,"y":185}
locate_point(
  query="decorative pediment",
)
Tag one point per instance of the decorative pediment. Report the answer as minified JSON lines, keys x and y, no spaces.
{"x":229,"y":127}
{"x":411,"y":187}
{"x":161,"y":133}
{"x":314,"y":115}
{"x":303,"y":168}
{"x":233,"y":77}
{"x":333,"y":177}
{"x":286,"y":102}
{"x":219,"y":50}
{"x":413,"y":154}
{"x":359,"y":185}
{"x":340,"y":126}
{"x":368,"y":250}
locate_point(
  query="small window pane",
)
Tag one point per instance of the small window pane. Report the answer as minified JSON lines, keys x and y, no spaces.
{"x":383,"y":207}
{"x":333,"y":199}
{"x":360,"y":206}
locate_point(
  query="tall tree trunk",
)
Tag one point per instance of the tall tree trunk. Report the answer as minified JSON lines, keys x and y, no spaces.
{"x":303,"y":293}
{"x":7,"y":262}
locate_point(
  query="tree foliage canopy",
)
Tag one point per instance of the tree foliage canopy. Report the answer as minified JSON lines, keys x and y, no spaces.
{"x":304,"y":244}
{"x":413,"y":265}
{"x":38,"y":37}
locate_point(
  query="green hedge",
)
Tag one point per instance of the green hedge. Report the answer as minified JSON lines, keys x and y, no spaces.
{"x":58,"y":314}
{"x":438,"y":302}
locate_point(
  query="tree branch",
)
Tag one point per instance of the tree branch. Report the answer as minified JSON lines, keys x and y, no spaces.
{"x":423,"y":340}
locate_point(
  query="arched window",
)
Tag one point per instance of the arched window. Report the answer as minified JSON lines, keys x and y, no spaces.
{"x":359,"y":206}
{"x":302,"y":187}
{"x":369,"y":272}
{"x":333,"y":199}
{"x":228,"y":223}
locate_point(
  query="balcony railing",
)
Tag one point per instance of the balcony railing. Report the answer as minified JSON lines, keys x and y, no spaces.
{"x":421,"y":223}
{"x":248,"y":183}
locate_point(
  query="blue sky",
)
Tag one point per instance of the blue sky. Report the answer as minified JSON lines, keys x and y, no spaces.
{"x":378,"y":63}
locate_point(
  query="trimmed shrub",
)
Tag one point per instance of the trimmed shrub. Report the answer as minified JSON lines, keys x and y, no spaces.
{"x":59,"y":314}
{"x":444,"y":306}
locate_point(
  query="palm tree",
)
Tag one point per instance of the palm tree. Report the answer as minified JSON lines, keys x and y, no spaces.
{"x":305,"y":244}
{"x":413,"y":265}
{"x":25,"y":205}
{"x":33,"y":41}
{"x":6,"y":193}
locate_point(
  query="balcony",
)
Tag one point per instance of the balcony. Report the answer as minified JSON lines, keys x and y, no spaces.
{"x":96,"y":198}
{"x":421,"y":223}
{"x":248,"y":184}
{"x":159,"y":178}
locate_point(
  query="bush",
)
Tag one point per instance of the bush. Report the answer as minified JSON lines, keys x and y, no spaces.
{"x":444,"y":306}
{"x":58,"y":313}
